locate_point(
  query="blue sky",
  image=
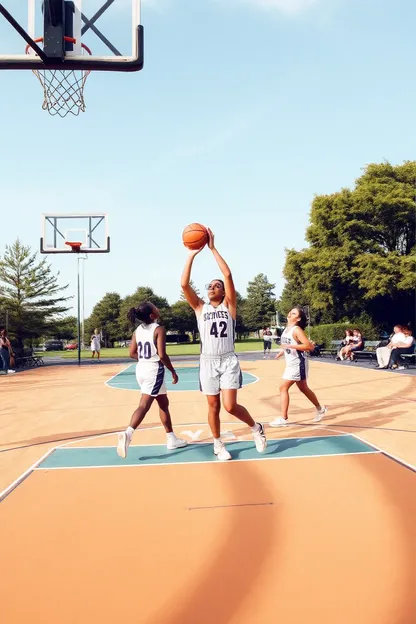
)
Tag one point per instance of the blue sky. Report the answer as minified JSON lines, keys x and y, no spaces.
{"x":244,"y":111}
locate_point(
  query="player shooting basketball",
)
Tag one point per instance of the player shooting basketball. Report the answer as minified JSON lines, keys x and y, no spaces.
{"x":220,"y":371}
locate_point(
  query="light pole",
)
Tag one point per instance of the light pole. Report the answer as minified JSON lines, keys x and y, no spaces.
{"x":80,"y":320}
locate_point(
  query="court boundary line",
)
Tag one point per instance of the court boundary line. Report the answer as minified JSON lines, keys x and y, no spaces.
{"x":387,"y":454}
{"x":200,"y":442}
{"x":9,"y":489}
{"x":213,"y":462}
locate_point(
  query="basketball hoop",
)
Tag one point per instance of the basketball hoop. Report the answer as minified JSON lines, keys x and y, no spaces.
{"x":63,"y":89}
{"x":75,"y":246}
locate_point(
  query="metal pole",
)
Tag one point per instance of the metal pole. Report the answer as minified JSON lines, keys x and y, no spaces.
{"x":83,"y":307}
{"x":78,"y":322}
{"x":7,"y":321}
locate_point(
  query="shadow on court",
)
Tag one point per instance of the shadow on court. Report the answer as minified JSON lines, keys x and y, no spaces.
{"x":225,"y":580}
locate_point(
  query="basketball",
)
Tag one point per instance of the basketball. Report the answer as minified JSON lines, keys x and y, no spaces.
{"x":195,"y":236}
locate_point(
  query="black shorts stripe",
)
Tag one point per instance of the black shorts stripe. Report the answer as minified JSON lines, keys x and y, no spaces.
{"x":302,"y":366}
{"x":159,"y":379}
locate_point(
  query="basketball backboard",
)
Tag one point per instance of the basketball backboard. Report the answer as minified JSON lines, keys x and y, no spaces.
{"x":90,"y":231}
{"x":99,"y":35}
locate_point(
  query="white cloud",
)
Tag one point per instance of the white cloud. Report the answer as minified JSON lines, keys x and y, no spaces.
{"x":289,"y":7}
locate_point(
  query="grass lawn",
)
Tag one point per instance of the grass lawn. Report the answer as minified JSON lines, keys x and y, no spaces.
{"x":123,"y":352}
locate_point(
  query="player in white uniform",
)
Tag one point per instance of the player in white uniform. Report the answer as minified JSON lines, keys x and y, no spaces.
{"x":219,"y":371}
{"x":96,"y":343}
{"x":295,"y":343}
{"x":148,"y":347}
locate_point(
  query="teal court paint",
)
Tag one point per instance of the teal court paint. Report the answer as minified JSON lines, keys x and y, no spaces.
{"x":188,"y":379}
{"x":157,"y":454}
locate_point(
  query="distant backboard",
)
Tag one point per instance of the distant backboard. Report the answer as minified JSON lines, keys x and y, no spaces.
{"x":88,"y":233}
{"x":99,"y":35}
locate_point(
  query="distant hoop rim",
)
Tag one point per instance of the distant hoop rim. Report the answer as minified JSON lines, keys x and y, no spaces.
{"x":75,"y":245}
{"x":67,"y":39}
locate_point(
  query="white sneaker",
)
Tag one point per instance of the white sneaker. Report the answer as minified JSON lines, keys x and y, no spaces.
{"x":278,"y":422}
{"x":220,"y":451}
{"x":10,"y":371}
{"x":123,"y":444}
{"x":260,"y":439}
{"x":175,"y":443}
{"x":320,"y":413}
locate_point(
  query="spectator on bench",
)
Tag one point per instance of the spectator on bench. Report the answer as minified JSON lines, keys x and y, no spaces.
{"x":356,"y":344}
{"x":405,"y":346}
{"x":347,"y":340}
{"x":384,"y":353}
{"x":6,"y":352}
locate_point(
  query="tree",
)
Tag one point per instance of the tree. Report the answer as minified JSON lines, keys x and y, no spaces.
{"x":183,"y":318}
{"x":240,"y":327}
{"x":259,"y":305}
{"x":30,"y":292}
{"x":362,"y":249}
{"x":143,"y":293}
{"x":106,"y":317}
{"x":192,"y":285}
{"x":65,"y":328}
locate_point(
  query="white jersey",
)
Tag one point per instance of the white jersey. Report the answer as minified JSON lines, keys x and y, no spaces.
{"x":216,"y":329}
{"x":296,"y":365}
{"x":146,"y":348}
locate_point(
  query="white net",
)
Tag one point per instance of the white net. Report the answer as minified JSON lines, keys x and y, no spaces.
{"x":63,"y":91}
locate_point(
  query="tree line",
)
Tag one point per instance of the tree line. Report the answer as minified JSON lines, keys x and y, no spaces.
{"x":360,"y":265}
{"x":33,"y":304}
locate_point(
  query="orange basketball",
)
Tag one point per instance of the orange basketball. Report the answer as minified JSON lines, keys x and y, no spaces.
{"x":195,"y":236}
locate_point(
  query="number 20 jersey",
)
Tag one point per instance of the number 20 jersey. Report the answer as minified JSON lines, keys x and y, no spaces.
{"x":216,"y":329}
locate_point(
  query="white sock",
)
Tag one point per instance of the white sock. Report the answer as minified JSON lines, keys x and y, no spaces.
{"x":129,"y":432}
{"x":255,"y":428}
{"x":171,"y":436}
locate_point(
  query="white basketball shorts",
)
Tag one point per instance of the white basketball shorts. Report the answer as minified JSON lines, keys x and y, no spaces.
{"x":221,"y":372}
{"x":151,"y":378}
{"x":296,"y":371}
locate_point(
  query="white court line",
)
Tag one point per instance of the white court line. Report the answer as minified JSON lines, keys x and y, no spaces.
{"x":27,"y":472}
{"x":119,"y":373}
{"x":211,"y":462}
{"x":24,"y":475}
{"x":62,"y":446}
{"x":380,"y":450}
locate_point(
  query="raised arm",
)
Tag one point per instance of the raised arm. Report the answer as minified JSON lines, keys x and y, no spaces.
{"x":230,"y":293}
{"x":192,"y":298}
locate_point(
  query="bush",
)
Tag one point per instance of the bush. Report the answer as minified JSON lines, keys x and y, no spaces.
{"x":323,"y":334}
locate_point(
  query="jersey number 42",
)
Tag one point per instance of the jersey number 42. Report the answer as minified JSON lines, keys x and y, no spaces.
{"x":223,"y":329}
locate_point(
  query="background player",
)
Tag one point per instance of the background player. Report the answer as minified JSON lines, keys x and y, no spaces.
{"x":148,"y":347}
{"x":295,"y":342}
{"x":219,"y":367}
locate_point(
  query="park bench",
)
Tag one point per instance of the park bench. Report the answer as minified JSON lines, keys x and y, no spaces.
{"x":25,"y":358}
{"x":408,"y":358}
{"x":369,"y":350}
{"x":332,"y":350}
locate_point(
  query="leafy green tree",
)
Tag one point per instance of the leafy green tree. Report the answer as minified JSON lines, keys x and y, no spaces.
{"x":362,"y":250}
{"x":240,"y":327}
{"x":30,"y":292}
{"x":65,"y":328}
{"x":143,"y":293}
{"x":183,"y":318}
{"x":192,"y":285}
{"x":259,"y":305}
{"x":105,"y":316}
